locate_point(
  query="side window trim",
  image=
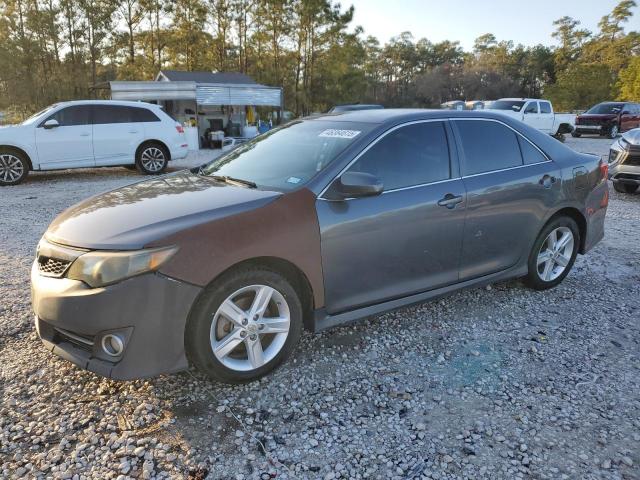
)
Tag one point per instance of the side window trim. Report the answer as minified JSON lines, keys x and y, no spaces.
{"x":458,"y":137}
{"x":453,"y":162}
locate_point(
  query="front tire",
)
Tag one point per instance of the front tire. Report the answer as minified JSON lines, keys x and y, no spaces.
{"x":624,"y":187}
{"x":152,"y":158}
{"x":613,"y":133}
{"x":244,"y":325}
{"x":553,"y":254}
{"x":14,"y":167}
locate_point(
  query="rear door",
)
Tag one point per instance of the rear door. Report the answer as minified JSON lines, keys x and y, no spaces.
{"x":510,"y":187}
{"x":116,"y":134}
{"x":546,"y":118}
{"x":405,"y":240}
{"x":69,"y":145}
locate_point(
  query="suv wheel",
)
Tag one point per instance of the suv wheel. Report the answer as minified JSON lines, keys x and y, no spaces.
{"x":244,"y":326}
{"x":624,"y":187}
{"x":613,"y":133}
{"x":152,"y":159}
{"x":14,"y":167}
{"x":553,"y":253}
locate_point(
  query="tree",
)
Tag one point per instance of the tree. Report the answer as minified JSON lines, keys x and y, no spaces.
{"x":629,"y":81}
{"x":581,"y":86}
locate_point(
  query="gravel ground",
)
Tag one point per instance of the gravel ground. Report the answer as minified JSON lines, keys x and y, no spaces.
{"x":499,"y":382}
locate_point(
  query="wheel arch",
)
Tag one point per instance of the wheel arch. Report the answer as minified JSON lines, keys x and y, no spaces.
{"x":578,"y":217}
{"x":19,"y":150}
{"x":152,"y":141}
{"x":287,"y":269}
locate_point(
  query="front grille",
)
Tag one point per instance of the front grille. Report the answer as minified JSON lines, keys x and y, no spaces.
{"x":589,"y":121}
{"x":52,"y":267}
{"x":632,"y":160}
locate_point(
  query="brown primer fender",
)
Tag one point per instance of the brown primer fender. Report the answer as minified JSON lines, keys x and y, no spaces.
{"x":287,"y":229}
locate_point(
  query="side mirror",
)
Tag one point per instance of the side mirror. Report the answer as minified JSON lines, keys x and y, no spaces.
{"x":359,"y":184}
{"x":626,"y":112}
{"x":49,"y":124}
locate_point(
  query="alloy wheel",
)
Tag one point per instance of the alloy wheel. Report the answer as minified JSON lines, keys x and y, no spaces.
{"x":11,"y":168}
{"x":555,"y":254}
{"x":153,"y":159}
{"x":250,"y":327}
{"x":614,"y":132}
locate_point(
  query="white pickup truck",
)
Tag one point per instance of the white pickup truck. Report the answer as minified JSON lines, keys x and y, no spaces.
{"x":536,"y":113}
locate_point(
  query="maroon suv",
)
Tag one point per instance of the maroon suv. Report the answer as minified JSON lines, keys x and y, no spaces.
{"x":608,"y":119}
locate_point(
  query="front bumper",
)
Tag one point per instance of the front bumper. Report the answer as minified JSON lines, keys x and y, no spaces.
{"x":624,"y":166}
{"x":148,"y":312}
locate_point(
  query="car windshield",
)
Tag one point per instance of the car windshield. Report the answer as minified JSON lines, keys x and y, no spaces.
{"x":606,"y":109}
{"x":513,"y":105}
{"x":36,"y":116}
{"x":289,"y":156}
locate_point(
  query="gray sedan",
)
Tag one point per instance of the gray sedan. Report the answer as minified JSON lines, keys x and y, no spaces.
{"x":311,"y":225}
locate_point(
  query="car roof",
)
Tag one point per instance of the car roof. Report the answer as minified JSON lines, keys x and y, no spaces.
{"x":123,"y":103}
{"x":401,"y":115}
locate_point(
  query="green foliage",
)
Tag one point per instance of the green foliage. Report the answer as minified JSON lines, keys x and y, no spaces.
{"x":629,"y":81}
{"x":53,"y":50}
{"x":581,"y":86}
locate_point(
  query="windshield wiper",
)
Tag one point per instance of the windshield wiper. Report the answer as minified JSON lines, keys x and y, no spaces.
{"x":232,"y":180}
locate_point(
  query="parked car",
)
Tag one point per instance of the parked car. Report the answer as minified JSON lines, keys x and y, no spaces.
{"x":608,"y":119}
{"x":90,"y":133}
{"x":536,"y":113}
{"x":354,"y":107}
{"x":624,"y":162}
{"x":310,"y":225}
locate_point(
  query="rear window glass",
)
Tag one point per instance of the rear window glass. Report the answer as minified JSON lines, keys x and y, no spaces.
{"x":530,"y":154}
{"x":488,"y":146}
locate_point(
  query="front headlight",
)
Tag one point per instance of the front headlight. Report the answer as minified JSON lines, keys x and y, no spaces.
{"x":98,"y":269}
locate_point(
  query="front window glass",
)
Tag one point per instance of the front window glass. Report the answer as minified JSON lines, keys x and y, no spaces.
{"x":289,"y":156}
{"x":606,"y":109}
{"x":513,"y":105}
{"x":72,"y":116}
{"x":413,"y":155}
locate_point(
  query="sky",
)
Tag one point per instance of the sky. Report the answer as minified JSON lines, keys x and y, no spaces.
{"x":523,"y":21}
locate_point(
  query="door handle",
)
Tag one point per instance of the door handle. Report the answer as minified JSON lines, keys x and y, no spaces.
{"x":85,"y":134}
{"x":547,"y":180}
{"x":450,"y":200}
{"x":133,"y":131}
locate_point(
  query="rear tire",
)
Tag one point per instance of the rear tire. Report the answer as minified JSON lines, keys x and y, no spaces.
{"x":152,"y":158}
{"x":624,"y":187}
{"x":553,"y":254}
{"x":576,"y":134}
{"x":228,"y":341}
{"x":14,"y":167}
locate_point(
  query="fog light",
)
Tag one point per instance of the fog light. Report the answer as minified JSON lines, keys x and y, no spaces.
{"x":112,"y":345}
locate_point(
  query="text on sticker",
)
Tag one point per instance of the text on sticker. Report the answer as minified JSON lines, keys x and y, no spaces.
{"x":335,"y":133}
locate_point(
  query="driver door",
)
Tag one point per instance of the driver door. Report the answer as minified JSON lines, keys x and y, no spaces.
{"x":405,"y":240}
{"x":70,"y":143}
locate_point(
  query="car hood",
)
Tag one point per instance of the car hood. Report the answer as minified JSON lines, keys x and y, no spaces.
{"x":632,"y":136}
{"x":130,"y":217}
{"x":598,"y":116}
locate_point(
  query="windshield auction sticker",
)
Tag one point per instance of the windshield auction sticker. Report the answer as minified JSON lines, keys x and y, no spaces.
{"x":334,"y":133}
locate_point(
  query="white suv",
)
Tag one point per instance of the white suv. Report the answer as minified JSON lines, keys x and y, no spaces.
{"x":88,"y":133}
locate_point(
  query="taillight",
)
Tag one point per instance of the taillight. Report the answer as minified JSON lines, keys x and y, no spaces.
{"x":604,"y":169}
{"x":180,"y":128}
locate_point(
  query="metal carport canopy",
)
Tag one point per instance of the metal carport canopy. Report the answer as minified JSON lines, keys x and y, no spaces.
{"x":241,"y":94}
{"x":121,"y":90}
